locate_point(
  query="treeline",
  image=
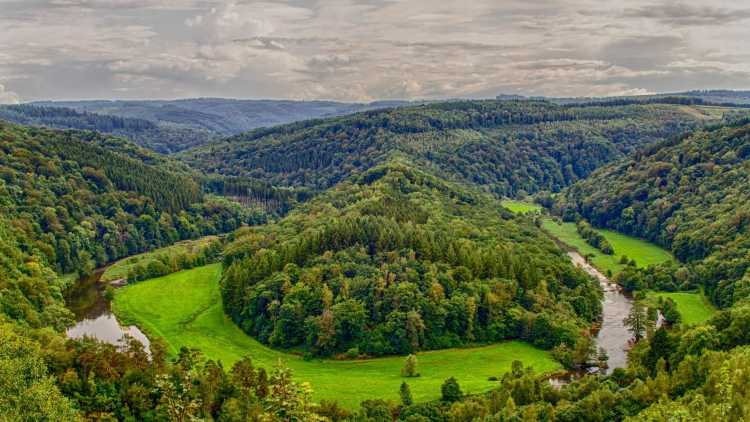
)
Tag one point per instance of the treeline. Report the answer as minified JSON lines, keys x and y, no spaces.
{"x":680,"y":99}
{"x":509,"y":147}
{"x":689,"y":195}
{"x":593,"y":237}
{"x":45,"y":378}
{"x":73,"y":204}
{"x":384,"y":266}
{"x":161,"y":138}
{"x":168,"y":263}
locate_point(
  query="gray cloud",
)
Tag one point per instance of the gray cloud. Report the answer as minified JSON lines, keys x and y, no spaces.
{"x":686,"y":15}
{"x":361,"y":50}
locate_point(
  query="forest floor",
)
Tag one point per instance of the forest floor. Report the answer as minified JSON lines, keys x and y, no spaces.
{"x":185,"y":309}
{"x":694,"y":307}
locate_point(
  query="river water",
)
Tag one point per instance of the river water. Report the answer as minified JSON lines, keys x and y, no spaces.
{"x":612,"y":335}
{"x":94,"y":317}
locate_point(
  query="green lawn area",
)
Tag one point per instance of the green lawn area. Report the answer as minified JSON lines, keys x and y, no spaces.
{"x":121,"y":268}
{"x":643,"y":252}
{"x":185,"y":309}
{"x":693,"y":307}
{"x":520,"y":207}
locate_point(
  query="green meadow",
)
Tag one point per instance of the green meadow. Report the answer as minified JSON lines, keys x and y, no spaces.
{"x":520,"y":207}
{"x":643,"y":252}
{"x":185,"y":309}
{"x":693,"y":307}
{"x":121,"y":268}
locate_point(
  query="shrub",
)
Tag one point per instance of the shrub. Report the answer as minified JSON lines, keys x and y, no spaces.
{"x":410,"y":367}
{"x":451,"y":391}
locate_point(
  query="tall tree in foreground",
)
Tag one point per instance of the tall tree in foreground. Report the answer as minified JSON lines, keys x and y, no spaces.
{"x":637,"y":321}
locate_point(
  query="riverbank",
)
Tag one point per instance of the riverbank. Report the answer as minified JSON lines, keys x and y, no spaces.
{"x":94,"y":318}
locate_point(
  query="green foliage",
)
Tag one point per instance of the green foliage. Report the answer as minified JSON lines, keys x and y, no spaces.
{"x":690,"y":195}
{"x":185,"y":310}
{"x":161,"y":138}
{"x":73,"y":201}
{"x":510,"y":147}
{"x":405,"y":393}
{"x":400,"y":261}
{"x":594,"y":238}
{"x":410,"y":368}
{"x":27,"y":391}
{"x":450,"y":391}
{"x":636,"y":321}
{"x":180,"y":256}
{"x":648,"y":254}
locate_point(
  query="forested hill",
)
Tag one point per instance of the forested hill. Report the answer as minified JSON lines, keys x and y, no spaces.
{"x":691,"y":195}
{"x":223,"y":116}
{"x":161,"y":138}
{"x":510,"y":147}
{"x":71,"y":201}
{"x":397,"y":261}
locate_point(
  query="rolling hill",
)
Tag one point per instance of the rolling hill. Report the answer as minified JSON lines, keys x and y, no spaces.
{"x":508,"y":147}
{"x":691,"y":195}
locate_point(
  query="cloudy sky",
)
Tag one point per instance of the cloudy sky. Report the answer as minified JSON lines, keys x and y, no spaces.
{"x":363,"y":50}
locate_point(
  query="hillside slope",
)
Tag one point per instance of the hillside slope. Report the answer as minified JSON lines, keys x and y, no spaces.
{"x":398,"y":260}
{"x":160,"y":138}
{"x":691,"y":195}
{"x":507,"y":146}
{"x":71,"y":201}
{"x":218,"y":116}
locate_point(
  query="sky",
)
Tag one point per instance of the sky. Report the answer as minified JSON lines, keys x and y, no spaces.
{"x":366,"y":50}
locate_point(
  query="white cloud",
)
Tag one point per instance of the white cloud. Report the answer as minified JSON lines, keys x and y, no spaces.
{"x":8,"y":97}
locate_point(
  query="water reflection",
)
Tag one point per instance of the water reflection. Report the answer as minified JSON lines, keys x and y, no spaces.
{"x":94,"y":316}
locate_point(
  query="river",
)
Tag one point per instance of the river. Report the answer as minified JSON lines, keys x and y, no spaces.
{"x":612,"y":335}
{"x":94,"y":317}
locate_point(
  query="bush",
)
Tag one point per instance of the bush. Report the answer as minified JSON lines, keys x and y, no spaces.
{"x":451,"y":391}
{"x":352,"y":353}
{"x":410,"y":367}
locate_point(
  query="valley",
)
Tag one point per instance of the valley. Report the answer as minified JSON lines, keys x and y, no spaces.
{"x":273,"y":266}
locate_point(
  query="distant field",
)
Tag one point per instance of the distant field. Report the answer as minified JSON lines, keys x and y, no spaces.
{"x":121,"y":268}
{"x":693,"y":307}
{"x":520,"y":207}
{"x":185,"y":309}
{"x":643,"y":252}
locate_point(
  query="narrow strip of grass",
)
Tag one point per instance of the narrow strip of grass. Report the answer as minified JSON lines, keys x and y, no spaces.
{"x":520,"y":207}
{"x":694,"y":307}
{"x":121,"y":268}
{"x":185,"y":309}
{"x":643,"y":252}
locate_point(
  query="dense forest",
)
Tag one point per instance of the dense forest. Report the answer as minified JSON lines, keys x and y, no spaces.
{"x":75,"y":201}
{"x":691,"y":195}
{"x":510,"y":147}
{"x":161,"y":138}
{"x":219,"y":116}
{"x":398,"y":261}
{"x":401,"y":251}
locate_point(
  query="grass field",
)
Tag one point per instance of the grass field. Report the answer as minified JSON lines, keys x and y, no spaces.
{"x":121,"y":268}
{"x":644,"y":253}
{"x":520,"y":207}
{"x":693,"y":307}
{"x":185,"y":309}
